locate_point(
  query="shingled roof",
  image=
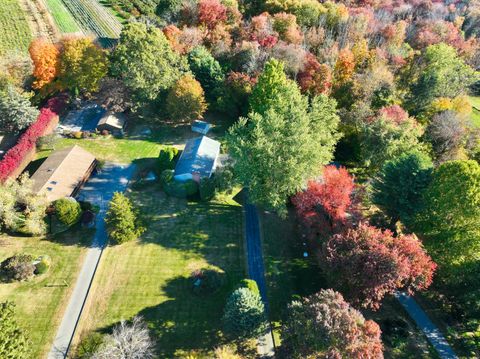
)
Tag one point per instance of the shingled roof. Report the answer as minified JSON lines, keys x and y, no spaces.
{"x":63,"y":172}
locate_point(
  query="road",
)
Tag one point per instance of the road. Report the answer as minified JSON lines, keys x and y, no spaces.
{"x":256,"y":271}
{"x":98,"y":190}
{"x":432,"y":333}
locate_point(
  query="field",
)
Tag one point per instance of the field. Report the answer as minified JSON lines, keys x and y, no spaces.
{"x":64,"y":20}
{"x":41,"y":301}
{"x":150,"y":277}
{"x":289,"y":275}
{"x":15,"y":33}
{"x":475,"y":100}
{"x":93,"y":18}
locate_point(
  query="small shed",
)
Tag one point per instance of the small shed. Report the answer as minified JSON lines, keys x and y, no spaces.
{"x":112,"y":122}
{"x":198,"y":159}
{"x":201,"y":127}
{"x":63,"y":173}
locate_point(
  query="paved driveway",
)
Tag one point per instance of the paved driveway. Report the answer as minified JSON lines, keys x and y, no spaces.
{"x":98,"y":190}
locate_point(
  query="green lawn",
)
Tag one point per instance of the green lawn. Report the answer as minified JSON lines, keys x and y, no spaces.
{"x":15,"y":33}
{"x":150,"y":277}
{"x":112,"y":149}
{"x":62,"y":16}
{"x":289,"y":276}
{"x":475,"y":101}
{"x":41,"y":301}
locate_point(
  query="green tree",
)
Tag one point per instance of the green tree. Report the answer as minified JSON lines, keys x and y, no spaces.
{"x":207,"y":71}
{"x":271,"y":84}
{"x":185,"y":100}
{"x":13,"y":341}
{"x":82,"y":65}
{"x":383,"y":140}
{"x":399,"y":187}
{"x":277,"y":149}
{"x":452,"y":214}
{"x":22,"y":210}
{"x":244,"y":316}
{"x":121,"y":219}
{"x":16,"y":111}
{"x":442,"y":73}
{"x":145,"y":61}
{"x":67,"y":210}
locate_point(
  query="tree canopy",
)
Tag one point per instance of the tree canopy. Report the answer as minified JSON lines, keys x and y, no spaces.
{"x":278,"y":148}
{"x":16,"y":111}
{"x":13,"y":340}
{"x":145,"y":61}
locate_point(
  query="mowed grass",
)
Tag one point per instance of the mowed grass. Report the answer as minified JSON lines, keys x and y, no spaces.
{"x":62,"y":17}
{"x":150,"y":277}
{"x":112,"y":149}
{"x":475,"y":101}
{"x":290,"y":275}
{"x":40,"y":302}
{"x":15,"y":33}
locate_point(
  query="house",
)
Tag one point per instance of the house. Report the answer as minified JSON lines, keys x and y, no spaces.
{"x":63,"y":173}
{"x":198,"y":159}
{"x":112,"y":122}
{"x":201,"y":127}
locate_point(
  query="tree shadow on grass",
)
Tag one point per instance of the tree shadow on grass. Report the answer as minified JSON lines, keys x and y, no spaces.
{"x":186,"y":323}
{"x":212,"y":230}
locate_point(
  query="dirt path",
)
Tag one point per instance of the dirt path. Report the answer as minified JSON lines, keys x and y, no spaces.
{"x":40,"y":21}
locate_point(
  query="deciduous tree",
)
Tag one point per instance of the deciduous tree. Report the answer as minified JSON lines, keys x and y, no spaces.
{"x":366,"y":263}
{"x":400,"y":185}
{"x":442,"y":73}
{"x":324,"y":325}
{"x":13,"y":340}
{"x":128,"y":340}
{"x":145,"y":61}
{"x":82,"y":65}
{"x":185,"y":100}
{"x":45,"y":58}
{"x":284,"y":141}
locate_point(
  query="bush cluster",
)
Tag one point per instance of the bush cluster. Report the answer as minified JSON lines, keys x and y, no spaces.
{"x":68,"y":211}
{"x":19,"y":267}
{"x":177,"y":189}
{"x":166,"y":158}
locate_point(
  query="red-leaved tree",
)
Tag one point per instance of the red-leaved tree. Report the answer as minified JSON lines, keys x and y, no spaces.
{"x":322,"y":207}
{"x":324,"y":325}
{"x":211,"y":13}
{"x":315,"y":78}
{"x":366,"y":263}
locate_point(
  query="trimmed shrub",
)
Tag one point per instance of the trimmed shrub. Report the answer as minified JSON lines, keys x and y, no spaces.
{"x":166,"y":158}
{"x":250,"y":284}
{"x":207,"y":189}
{"x":19,"y":267}
{"x":207,"y":281}
{"x":43,"y":266}
{"x":177,"y":189}
{"x":68,"y":211}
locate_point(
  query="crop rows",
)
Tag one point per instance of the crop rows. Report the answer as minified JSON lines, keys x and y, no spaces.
{"x":64,"y":20}
{"x":15,"y":33}
{"x":93,"y":18}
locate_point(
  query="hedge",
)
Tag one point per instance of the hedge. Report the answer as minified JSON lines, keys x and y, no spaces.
{"x":27,"y":141}
{"x":177,"y":189}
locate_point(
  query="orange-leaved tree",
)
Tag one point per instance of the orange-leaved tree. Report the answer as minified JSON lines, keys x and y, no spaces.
{"x":45,"y":57}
